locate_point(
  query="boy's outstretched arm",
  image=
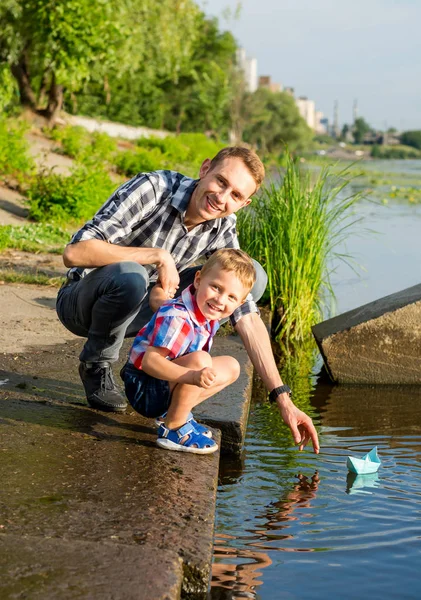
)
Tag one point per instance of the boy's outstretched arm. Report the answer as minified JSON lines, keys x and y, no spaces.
{"x":256,"y":340}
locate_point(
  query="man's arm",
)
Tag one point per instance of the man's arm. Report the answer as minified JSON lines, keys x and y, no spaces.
{"x":257,"y":343}
{"x":98,"y":253}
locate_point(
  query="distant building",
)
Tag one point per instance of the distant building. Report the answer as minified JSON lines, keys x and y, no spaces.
{"x":324,"y":124}
{"x":307,"y":109}
{"x":249,"y":68}
{"x":290,"y":91}
{"x":320,"y":127}
{"x":266,"y":82}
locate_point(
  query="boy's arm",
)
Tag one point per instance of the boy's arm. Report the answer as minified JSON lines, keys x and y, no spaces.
{"x":256,"y":340}
{"x":155,"y":364}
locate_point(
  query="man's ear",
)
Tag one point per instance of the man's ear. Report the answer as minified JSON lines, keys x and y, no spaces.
{"x":205,"y":167}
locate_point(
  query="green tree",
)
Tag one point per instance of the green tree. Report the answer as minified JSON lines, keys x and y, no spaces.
{"x":53,"y":44}
{"x":412,"y":138}
{"x":272,"y":120}
{"x":361,"y":127}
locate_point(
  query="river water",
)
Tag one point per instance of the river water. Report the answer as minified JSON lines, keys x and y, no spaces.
{"x":293,"y":525}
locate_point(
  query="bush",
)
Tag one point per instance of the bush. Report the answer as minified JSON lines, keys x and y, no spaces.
{"x":185,"y":152}
{"x":412,"y":138}
{"x":14,"y":158}
{"x":140,"y":160}
{"x":394,"y":152}
{"x":78,"y":143}
{"x":77,"y":197}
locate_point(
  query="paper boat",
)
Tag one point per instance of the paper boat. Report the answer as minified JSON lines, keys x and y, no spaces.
{"x":369,"y":463}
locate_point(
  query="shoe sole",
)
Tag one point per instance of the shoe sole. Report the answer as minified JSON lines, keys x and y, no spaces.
{"x":169,"y":445}
{"x":107,"y":408}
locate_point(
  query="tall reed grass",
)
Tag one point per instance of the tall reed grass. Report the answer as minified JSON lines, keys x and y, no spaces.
{"x":292,"y":228}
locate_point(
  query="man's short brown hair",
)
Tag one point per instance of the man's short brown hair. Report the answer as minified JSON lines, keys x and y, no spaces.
{"x":234,"y":261}
{"x":247,"y":156}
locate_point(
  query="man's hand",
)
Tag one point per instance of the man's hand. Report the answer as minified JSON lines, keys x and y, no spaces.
{"x":167,"y":274}
{"x":204,"y":378}
{"x":301,"y":425}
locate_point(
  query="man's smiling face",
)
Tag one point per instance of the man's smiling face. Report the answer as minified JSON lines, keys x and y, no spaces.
{"x":221,"y":191}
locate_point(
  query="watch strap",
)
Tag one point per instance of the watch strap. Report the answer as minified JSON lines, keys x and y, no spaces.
{"x":282,"y":389}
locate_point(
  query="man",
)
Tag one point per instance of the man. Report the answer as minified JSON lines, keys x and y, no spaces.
{"x":136,"y":252}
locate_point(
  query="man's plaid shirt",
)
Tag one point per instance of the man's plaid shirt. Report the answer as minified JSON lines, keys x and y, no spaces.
{"x":178,"y":326}
{"x":148,"y":212}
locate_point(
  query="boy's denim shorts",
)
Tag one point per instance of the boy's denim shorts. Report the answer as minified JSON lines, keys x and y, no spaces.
{"x":149,"y":396}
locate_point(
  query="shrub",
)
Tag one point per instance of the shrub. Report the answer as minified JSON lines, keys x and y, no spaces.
{"x":57,"y":198}
{"x":14,"y":158}
{"x":140,"y":160}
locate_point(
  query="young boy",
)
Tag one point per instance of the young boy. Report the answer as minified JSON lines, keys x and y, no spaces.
{"x":170,"y":370}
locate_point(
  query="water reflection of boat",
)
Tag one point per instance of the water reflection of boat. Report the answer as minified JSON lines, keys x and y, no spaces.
{"x":355,"y":483}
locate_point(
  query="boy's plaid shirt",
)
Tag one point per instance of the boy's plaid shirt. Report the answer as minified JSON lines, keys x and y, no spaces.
{"x":178,"y":326}
{"x":148,"y":212}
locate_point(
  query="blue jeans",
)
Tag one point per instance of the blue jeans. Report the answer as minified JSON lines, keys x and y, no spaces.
{"x":112,"y":303}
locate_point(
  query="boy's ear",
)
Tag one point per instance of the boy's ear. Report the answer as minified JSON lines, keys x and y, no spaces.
{"x":196,"y":279}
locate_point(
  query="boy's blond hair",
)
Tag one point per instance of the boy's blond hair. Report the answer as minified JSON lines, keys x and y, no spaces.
{"x":234,"y":261}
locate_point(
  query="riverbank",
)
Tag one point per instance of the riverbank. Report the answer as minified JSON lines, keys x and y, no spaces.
{"x":79,"y":482}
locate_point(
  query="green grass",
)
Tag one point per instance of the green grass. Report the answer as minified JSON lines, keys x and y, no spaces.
{"x":9,"y":276}
{"x":292,"y":229}
{"x":36,"y":237}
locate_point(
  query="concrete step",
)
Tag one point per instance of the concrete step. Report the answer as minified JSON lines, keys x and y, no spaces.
{"x":378,"y":343}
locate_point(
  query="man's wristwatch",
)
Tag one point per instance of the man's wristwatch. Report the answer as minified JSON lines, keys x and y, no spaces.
{"x":282,"y":389}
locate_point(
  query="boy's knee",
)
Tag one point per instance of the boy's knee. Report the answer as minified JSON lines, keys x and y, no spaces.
{"x":260,"y":284}
{"x":233,"y":368}
{"x":200,"y":359}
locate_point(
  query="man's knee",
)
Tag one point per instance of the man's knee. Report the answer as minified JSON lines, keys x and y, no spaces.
{"x":130,"y":278}
{"x":260,"y":284}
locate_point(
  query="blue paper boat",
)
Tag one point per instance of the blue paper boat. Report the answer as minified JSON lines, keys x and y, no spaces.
{"x":369,"y":463}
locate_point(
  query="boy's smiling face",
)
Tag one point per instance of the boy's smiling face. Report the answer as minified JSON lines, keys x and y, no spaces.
{"x":218,"y":293}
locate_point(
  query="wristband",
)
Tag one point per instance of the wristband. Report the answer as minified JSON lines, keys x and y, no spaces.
{"x":282,"y":389}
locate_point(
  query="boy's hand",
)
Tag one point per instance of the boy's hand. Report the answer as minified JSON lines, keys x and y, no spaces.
{"x":157,"y":297}
{"x":204,"y":378}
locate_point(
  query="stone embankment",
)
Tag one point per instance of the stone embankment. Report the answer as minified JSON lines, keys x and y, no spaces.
{"x":91,"y":508}
{"x":378,"y":343}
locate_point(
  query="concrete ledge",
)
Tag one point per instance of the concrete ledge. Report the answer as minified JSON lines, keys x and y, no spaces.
{"x":44,"y":568}
{"x":79,"y":482}
{"x":378,"y":343}
{"x":229,"y":410}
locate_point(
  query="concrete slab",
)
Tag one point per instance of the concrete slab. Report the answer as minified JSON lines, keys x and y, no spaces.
{"x":378,"y":343}
{"x":228,"y":410}
{"x":76,"y":474}
{"x":48,"y":569}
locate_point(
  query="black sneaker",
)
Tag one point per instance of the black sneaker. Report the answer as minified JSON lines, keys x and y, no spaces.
{"x":101,"y":390}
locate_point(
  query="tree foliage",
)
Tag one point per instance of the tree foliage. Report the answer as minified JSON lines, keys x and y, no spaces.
{"x":412,"y":138}
{"x":159,"y":64}
{"x":272,"y":121}
{"x":361,"y":127}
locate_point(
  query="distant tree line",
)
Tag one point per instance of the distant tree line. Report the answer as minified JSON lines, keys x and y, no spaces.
{"x":158,"y":64}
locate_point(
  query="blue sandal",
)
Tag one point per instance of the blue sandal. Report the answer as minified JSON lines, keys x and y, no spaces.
{"x":185,"y":439}
{"x":190,"y":420}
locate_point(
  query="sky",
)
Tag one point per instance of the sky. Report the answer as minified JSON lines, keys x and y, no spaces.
{"x":332,"y":50}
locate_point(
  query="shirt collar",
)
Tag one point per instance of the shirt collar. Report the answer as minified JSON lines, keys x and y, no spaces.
{"x":181,"y":199}
{"x":189,"y":300}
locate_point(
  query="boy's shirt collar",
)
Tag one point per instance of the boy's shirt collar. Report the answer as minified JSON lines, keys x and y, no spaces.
{"x":189,"y":300}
